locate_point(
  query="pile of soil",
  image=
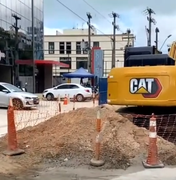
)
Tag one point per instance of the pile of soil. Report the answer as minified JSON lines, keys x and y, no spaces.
{"x":69,"y":139}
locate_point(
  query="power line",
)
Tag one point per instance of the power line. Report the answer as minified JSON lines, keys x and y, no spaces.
{"x":78,"y":15}
{"x":82,"y":19}
{"x":96,"y":11}
{"x":99,"y":13}
{"x":71,"y":10}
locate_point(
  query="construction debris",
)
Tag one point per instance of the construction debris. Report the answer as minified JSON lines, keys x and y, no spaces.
{"x":69,"y":140}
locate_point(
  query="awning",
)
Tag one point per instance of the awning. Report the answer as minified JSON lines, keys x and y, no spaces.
{"x":42,"y":62}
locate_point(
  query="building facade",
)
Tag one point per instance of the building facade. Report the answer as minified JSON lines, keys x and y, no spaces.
{"x":21,"y":10}
{"x":67,"y":48}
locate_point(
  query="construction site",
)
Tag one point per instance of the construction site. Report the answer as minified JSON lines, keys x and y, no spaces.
{"x":120,"y":124}
{"x":81,"y":136}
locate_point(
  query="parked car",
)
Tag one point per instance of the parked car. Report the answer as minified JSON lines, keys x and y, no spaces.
{"x":70,"y":89}
{"x":20,"y":98}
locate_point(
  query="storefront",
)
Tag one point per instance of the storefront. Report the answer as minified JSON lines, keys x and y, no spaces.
{"x":43,"y":75}
{"x":6,"y":73}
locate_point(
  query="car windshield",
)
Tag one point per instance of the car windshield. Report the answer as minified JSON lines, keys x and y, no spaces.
{"x":12,"y":88}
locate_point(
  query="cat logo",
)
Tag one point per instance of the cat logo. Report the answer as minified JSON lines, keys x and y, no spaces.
{"x":147,"y":87}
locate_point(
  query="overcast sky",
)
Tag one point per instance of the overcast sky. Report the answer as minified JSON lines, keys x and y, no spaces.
{"x":131,"y":14}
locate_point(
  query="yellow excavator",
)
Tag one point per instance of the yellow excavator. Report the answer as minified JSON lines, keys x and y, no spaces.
{"x":148,"y":78}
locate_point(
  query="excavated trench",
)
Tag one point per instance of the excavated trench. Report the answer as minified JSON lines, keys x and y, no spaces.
{"x":165,"y":118}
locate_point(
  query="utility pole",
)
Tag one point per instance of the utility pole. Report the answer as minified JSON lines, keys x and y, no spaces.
{"x":89,"y":16}
{"x":33,"y":47}
{"x":151,"y":20}
{"x":156,"y":37}
{"x":128,"y":38}
{"x":147,"y":34}
{"x":15,"y":66}
{"x":115,"y":27}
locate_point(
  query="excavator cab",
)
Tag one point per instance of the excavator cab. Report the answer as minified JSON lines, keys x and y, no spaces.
{"x":133,"y":51}
{"x":146,"y":56}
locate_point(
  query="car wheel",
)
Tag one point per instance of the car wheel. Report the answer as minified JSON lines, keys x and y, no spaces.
{"x":17,"y":104}
{"x":79,"y":98}
{"x":50,"y":97}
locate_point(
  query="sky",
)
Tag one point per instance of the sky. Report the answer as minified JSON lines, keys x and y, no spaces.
{"x":131,"y":16}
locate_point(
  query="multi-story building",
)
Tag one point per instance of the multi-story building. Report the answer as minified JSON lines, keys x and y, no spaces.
{"x":21,"y":10}
{"x":66,"y":47}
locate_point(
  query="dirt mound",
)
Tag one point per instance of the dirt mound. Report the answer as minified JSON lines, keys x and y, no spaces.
{"x":69,"y":139}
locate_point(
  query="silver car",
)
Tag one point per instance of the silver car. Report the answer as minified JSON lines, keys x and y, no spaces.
{"x":20,"y":98}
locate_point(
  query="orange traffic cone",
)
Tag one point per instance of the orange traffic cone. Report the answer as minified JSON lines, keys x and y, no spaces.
{"x":152,"y":160}
{"x":97,"y":161}
{"x":65,"y":100}
{"x":11,"y":133}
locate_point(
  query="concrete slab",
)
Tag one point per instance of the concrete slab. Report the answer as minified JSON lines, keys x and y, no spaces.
{"x":133,"y":173}
{"x":153,"y":174}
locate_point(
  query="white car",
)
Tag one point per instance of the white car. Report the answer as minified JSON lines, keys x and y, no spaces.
{"x":20,"y":98}
{"x":68,"y":89}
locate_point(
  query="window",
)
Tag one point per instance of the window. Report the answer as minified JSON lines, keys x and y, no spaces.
{"x":72,"y":86}
{"x":68,"y":47}
{"x":51,"y":47}
{"x":66,"y":60}
{"x":62,"y":47}
{"x":63,"y":87}
{"x":96,"y":44}
{"x":25,"y":70}
{"x":12,"y":88}
{"x":81,"y":62}
{"x":86,"y":49}
{"x":78,"y":47}
{"x":2,"y":88}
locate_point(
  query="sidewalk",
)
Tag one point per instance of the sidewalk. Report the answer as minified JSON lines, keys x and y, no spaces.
{"x":151,"y":174}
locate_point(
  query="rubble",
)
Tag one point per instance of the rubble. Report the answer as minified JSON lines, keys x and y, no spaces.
{"x":69,"y":140}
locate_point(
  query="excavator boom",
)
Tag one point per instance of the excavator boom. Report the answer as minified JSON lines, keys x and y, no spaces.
{"x":172,"y":51}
